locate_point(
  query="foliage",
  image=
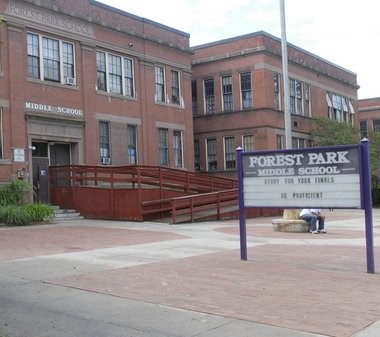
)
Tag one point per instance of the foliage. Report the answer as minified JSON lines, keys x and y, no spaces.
{"x":15,"y":211}
{"x":14,"y":192}
{"x":328,"y":133}
{"x":38,"y":212}
{"x":374,"y":149}
{"x":14,"y":215}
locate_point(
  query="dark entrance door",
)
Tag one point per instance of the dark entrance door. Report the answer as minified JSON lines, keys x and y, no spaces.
{"x":40,"y":179}
{"x":59,"y":154}
{"x":56,"y":155}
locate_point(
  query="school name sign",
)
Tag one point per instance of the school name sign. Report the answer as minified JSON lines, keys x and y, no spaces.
{"x":327,"y":177}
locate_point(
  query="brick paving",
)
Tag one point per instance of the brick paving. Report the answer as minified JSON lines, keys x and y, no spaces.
{"x":311,"y":283}
{"x":23,"y":242}
{"x":316,"y":289}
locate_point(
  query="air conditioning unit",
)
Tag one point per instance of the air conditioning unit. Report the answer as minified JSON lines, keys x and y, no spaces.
{"x":70,"y":80}
{"x":106,"y":160}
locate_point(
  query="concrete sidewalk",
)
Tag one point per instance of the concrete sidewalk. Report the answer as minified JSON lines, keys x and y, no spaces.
{"x":116,"y":278}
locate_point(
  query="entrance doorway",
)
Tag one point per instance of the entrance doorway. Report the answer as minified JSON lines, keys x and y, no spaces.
{"x":43,"y":155}
{"x":59,"y":154}
{"x":40,"y":179}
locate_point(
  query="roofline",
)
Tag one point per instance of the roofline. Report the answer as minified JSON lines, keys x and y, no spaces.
{"x":261,"y":32}
{"x":138,"y":18}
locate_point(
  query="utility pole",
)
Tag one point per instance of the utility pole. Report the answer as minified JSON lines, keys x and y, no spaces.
{"x":287,"y":116}
{"x":288,"y":213}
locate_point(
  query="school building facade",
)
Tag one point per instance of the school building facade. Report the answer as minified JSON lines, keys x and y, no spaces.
{"x":369,"y":116}
{"x":238,"y":98}
{"x":84,"y":83}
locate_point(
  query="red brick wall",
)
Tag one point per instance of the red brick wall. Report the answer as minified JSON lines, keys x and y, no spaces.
{"x":109,"y":30}
{"x":260,"y":53}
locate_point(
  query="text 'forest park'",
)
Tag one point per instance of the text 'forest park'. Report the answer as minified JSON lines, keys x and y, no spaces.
{"x":270,"y":165}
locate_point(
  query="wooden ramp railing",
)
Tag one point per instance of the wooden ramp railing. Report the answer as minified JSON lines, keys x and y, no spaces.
{"x":139,"y":192}
{"x":212,"y":205}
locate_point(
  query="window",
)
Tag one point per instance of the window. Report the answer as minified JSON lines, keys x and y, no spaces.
{"x":194,"y":98}
{"x":248,"y":143}
{"x":363,"y":129}
{"x":177,"y":141}
{"x":175,"y":87}
{"x":376,"y":125}
{"x":298,"y":143}
{"x":209,"y":96}
{"x":292,"y":93}
{"x":132,"y":144}
{"x":40,"y":149}
{"x":101,"y":71}
{"x":212,"y":163}
{"x":339,"y":108}
{"x":33,"y":56}
{"x":128,"y":78}
{"x":229,"y":153}
{"x":345,"y":115}
{"x":50,"y":59}
{"x":295,"y":92}
{"x":227,"y":93}
{"x":104,"y":140}
{"x":299,"y":107}
{"x":280,"y":142}
{"x":277,"y":101}
{"x":246,"y":91}
{"x":68,"y":60}
{"x":197,"y":160}
{"x":160,"y":84}
{"x":307,"y":101}
{"x":115,"y":74}
{"x":163,"y":147}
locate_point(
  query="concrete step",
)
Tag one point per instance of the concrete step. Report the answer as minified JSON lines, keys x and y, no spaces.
{"x":66,"y":214}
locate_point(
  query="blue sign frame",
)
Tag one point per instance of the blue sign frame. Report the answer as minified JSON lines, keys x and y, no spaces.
{"x":276,"y":167}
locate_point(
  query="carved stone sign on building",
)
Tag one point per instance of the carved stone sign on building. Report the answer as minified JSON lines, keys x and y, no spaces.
{"x":59,"y":110}
{"x":48,"y":18}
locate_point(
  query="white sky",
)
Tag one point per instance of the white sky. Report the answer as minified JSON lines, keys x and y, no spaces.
{"x":346,"y":33}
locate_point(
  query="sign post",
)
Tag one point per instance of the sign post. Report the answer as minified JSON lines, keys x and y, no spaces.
{"x":322,"y":177}
{"x":367,"y":204}
{"x":242,"y":220}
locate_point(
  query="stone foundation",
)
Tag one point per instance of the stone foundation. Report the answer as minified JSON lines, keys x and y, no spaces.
{"x":291,"y":223}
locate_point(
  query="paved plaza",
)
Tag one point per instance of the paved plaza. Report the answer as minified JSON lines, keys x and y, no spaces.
{"x":93,"y":278}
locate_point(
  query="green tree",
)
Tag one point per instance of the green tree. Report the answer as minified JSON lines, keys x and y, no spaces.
{"x":328,"y":133}
{"x":374,"y":151}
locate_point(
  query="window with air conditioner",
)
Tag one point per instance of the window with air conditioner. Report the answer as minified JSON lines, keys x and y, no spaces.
{"x":70,"y":81}
{"x":106,"y":160}
{"x":50,"y":59}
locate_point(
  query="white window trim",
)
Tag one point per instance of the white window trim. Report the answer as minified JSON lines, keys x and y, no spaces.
{"x":241,"y":90}
{"x":242,"y":140}
{"x":108,"y":87}
{"x":225,"y":154}
{"x":166,"y":98}
{"x":182,"y":156}
{"x":41,"y":57}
